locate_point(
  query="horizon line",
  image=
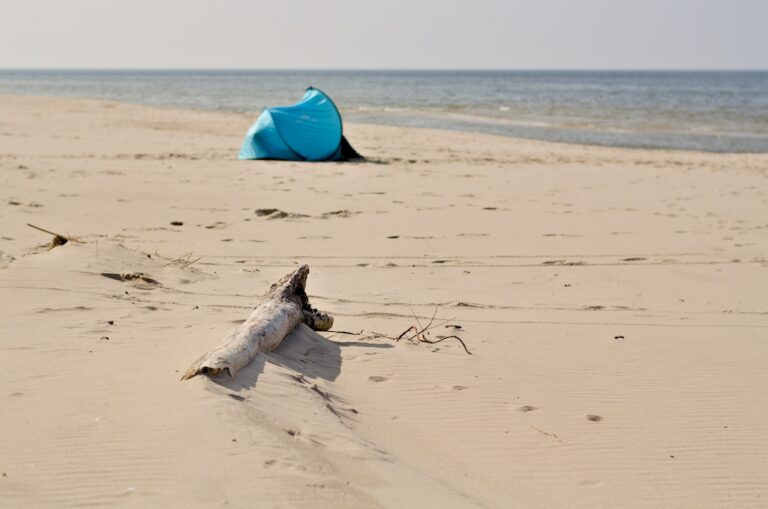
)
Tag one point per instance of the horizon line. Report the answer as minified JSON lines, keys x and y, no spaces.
{"x":390,"y":69}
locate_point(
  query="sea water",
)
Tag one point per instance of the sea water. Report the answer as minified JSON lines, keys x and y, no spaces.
{"x":706,"y":110}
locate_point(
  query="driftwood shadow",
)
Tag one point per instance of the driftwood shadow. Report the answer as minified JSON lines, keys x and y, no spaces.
{"x":304,"y":351}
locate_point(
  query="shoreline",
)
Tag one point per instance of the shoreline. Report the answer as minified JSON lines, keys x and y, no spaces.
{"x":473,"y":125}
{"x":613,"y":300}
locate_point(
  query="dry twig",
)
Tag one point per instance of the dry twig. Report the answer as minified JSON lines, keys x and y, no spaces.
{"x":58,"y":239}
{"x":181,"y":262}
{"x":414,"y":333}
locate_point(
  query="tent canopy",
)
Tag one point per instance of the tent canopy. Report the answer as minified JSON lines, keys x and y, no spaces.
{"x":310,"y":130}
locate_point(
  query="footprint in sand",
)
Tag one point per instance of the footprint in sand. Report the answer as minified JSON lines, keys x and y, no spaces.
{"x":337,"y":213}
{"x":136,"y":277}
{"x":278,"y":214}
{"x":527,"y":408}
{"x":594,"y":418}
{"x":377,"y":379}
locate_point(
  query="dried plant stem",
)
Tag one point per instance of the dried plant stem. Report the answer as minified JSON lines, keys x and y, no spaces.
{"x":58,"y":239}
{"x":414,"y":333}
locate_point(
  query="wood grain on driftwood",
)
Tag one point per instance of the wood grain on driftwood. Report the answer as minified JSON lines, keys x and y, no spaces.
{"x":285,"y":306}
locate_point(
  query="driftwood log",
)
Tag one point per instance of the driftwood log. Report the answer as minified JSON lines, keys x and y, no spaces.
{"x":285,"y":306}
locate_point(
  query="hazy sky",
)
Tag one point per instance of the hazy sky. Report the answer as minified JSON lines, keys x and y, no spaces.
{"x":454,"y":34}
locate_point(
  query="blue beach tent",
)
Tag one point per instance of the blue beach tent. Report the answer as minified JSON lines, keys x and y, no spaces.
{"x":310,"y":130}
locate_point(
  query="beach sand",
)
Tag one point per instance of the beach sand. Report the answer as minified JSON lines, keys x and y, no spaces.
{"x":615,"y":302}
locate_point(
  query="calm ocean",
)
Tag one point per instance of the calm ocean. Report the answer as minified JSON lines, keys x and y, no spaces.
{"x":712,"y":111}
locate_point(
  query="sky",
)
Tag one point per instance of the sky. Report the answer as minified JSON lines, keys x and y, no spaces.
{"x":385,"y":34}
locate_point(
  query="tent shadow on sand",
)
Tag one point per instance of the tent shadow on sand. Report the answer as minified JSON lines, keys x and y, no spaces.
{"x":310,"y":130}
{"x":304,"y":351}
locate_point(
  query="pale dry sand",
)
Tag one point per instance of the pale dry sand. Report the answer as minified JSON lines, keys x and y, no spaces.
{"x":544,"y":253}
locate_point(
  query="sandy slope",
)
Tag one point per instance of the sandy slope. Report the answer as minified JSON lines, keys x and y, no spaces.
{"x":544,"y":254}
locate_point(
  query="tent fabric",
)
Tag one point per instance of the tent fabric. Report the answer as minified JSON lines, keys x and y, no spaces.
{"x":310,"y":130}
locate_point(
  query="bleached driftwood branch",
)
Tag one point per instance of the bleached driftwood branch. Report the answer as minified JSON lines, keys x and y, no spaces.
{"x":285,"y":306}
